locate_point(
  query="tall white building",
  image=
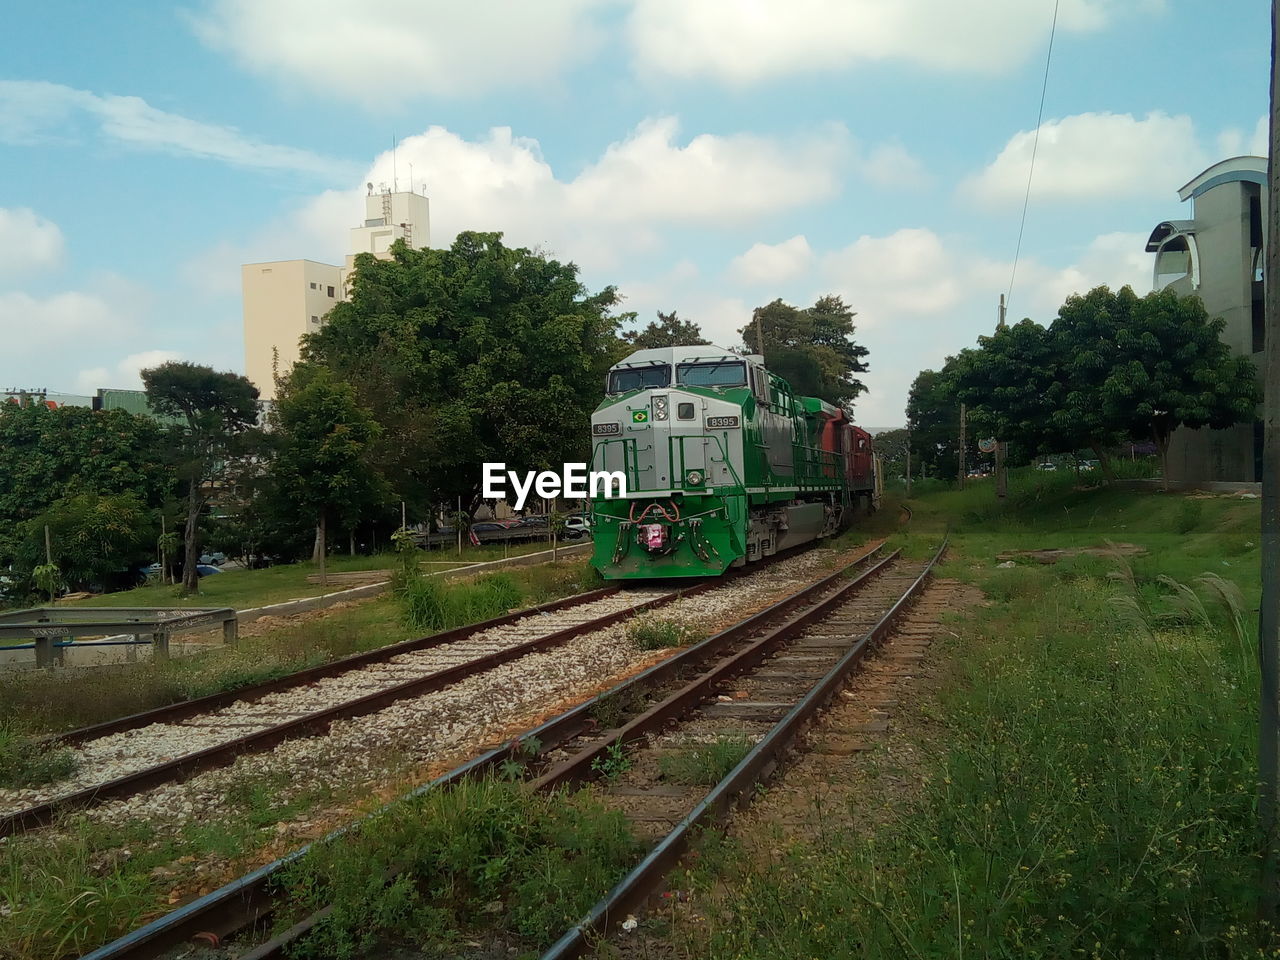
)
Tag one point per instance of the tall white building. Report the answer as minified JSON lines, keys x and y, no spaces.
{"x":284,"y":299}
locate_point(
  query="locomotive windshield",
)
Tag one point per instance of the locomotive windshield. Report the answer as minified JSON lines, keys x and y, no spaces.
{"x":724,"y":373}
{"x":639,"y":378}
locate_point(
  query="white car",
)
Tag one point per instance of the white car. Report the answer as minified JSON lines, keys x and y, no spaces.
{"x":577,"y":526}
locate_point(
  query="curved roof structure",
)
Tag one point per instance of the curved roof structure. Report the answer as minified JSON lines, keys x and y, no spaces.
{"x":1249,"y":169}
{"x":1167,"y":229}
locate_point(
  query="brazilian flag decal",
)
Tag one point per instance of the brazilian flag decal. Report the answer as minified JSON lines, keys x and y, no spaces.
{"x":639,"y":416}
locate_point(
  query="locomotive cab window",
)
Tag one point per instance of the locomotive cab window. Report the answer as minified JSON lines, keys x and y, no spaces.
{"x":684,"y":411}
{"x":639,"y":378}
{"x":726,"y":373}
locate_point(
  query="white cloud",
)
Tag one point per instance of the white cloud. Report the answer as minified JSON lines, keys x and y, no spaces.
{"x":713,"y":178}
{"x":909,"y":272}
{"x":742,"y":42}
{"x":920,"y":296}
{"x":1094,"y":156}
{"x":776,"y":263}
{"x":33,"y":111}
{"x":385,"y":52}
{"x":615,"y":208}
{"x":1260,"y":142}
{"x":891,"y":165}
{"x":28,"y":242}
{"x":125,"y":375}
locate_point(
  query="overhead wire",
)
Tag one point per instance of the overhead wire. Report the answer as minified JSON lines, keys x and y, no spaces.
{"x":1035,"y":145}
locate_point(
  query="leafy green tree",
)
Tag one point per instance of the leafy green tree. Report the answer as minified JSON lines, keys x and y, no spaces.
{"x":812,"y":349}
{"x":215,"y":410}
{"x":892,"y":447}
{"x":46,"y":455}
{"x":323,"y":438}
{"x":96,"y":540}
{"x":476,"y":353}
{"x":668,"y":331}
{"x":933,"y":412}
{"x":1140,"y":367}
{"x":1007,"y":385}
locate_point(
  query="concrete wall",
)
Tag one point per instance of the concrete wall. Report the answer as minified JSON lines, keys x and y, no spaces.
{"x":1223,"y":241}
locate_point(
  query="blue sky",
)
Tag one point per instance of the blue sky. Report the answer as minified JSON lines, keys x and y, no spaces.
{"x":705,"y":156}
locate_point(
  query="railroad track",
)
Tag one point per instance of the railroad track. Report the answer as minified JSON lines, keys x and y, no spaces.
{"x":128,"y":756}
{"x":124,"y":757}
{"x":781,"y":653}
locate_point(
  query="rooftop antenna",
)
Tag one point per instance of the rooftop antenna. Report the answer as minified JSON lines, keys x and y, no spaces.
{"x":395,"y":182}
{"x":411,"y":178}
{"x":369,"y":187}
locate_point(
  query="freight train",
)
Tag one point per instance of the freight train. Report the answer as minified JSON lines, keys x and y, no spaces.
{"x":724,"y":465}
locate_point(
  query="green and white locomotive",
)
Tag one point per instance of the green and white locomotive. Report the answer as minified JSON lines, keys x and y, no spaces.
{"x":724,"y":465}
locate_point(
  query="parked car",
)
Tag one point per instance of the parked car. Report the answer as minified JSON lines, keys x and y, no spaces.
{"x":215,"y":559}
{"x":577,"y":525}
{"x":206,"y":569}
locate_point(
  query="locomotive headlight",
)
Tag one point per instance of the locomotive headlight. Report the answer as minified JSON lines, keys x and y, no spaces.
{"x":660,"y":408}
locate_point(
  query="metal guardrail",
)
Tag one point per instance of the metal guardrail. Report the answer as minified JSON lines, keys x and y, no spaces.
{"x":53,"y":627}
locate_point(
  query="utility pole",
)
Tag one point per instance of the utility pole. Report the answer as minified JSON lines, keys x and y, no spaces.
{"x":908,"y":461}
{"x":1002,"y":451}
{"x":1269,"y":610}
{"x":963,"y":443}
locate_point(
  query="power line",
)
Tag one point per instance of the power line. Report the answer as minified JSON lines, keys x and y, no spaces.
{"x":1035,"y":144}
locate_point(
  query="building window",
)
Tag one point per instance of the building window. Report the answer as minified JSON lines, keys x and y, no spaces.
{"x":313,"y":286}
{"x":315,"y":321}
{"x":1259,"y":319}
{"x":1176,"y":259}
{"x":331,"y":291}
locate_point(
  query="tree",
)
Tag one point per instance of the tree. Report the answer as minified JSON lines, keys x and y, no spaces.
{"x":668,"y":331}
{"x":1007,"y":384}
{"x":98,"y":540}
{"x":323,"y":438}
{"x":812,"y":349}
{"x":47,"y":455}
{"x":1140,"y":367}
{"x":892,"y":447}
{"x":933,"y":414}
{"x":215,"y":410}
{"x":476,"y":353}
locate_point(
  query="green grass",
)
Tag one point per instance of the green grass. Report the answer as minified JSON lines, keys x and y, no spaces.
{"x":651,"y":634}
{"x":25,"y":762}
{"x":91,"y":882}
{"x":439,"y":869}
{"x":53,"y":700}
{"x":1088,"y":778}
{"x":705,"y":764}
{"x":242,"y":589}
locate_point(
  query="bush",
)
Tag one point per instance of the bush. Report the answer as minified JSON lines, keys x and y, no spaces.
{"x":441,"y":865}
{"x":25,"y":762}
{"x":1189,"y":515}
{"x":432,"y":604}
{"x":649,"y":634}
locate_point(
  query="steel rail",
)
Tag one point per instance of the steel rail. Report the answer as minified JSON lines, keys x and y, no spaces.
{"x":579,"y":766}
{"x":223,"y":754}
{"x":249,"y":899}
{"x":632,"y":891}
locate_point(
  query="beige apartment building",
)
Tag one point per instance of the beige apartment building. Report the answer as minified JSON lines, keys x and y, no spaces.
{"x":285,"y":299}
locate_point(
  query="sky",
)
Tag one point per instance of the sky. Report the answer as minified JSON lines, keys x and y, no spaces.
{"x":703,"y":156}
